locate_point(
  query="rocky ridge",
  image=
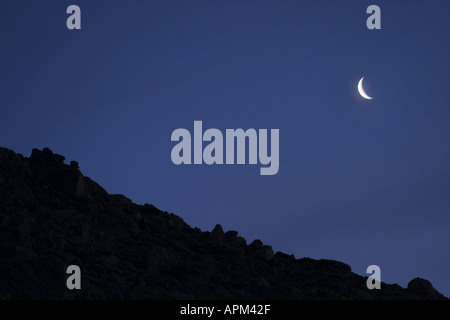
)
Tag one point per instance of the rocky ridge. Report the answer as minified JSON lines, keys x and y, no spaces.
{"x":51,"y":216}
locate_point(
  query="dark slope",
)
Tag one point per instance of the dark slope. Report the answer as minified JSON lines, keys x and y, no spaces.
{"x":51,"y":216}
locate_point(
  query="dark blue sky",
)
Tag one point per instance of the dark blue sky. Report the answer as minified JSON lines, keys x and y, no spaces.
{"x":363,"y":182}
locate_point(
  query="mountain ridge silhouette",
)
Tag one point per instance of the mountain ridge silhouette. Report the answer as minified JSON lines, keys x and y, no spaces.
{"x":51,"y":216}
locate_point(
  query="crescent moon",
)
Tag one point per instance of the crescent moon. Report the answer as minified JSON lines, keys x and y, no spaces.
{"x":361,"y":90}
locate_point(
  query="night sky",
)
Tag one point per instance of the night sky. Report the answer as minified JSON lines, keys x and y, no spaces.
{"x":360,"y":181}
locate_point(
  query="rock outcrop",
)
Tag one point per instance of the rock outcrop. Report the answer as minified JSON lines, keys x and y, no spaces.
{"x":51,"y":216}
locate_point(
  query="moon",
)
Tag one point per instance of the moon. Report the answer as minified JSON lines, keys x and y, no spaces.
{"x":361,"y":90}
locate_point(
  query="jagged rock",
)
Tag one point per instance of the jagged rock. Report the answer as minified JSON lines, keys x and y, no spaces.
{"x":423,"y":289}
{"x":74,"y":164}
{"x":256,"y":244}
{"x":230,"y":235}
{"x":257,"y":249}
{"x":51,"y":216}
{"x":218,"y":235}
